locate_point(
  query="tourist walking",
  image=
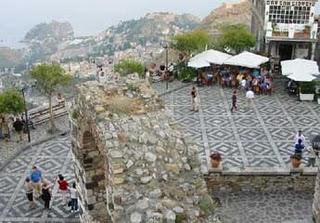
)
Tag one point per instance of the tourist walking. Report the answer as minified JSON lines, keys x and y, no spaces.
{"x":18,"y":127}
{"x":46,"y":194}
{"x":36,"y":177}
{"x":194,"y":99}
{"x":63,"y":188}
{"x":298,"y":136}
{"x":74,"y":198}
{"x":29,"y":192}
{"x":234,"y":101}
{"x":299,"y":147}
{"x":250,"y":97}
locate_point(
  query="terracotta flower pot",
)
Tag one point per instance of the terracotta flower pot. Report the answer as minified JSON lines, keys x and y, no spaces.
{"x":215,"y":163}
{"x":295,"y":163}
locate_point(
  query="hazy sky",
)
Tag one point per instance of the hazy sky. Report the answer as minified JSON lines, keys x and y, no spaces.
{"x":87,"y":16}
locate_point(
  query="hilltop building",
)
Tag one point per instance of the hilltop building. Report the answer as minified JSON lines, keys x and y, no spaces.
{"x":285,"y":29}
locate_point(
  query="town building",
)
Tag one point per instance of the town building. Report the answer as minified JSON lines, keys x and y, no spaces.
{"x":285,"y":29}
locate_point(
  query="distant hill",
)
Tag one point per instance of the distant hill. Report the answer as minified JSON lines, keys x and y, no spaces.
{"x":58,"y":31}
{"x":228,"y":13}
{"x":44,"y":39}
{"x":148,"y":30}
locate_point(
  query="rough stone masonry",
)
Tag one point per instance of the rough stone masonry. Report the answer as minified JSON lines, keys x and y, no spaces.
{"x":132,"y":162}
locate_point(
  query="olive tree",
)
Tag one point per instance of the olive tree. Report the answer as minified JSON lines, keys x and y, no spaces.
{"x":49,"y":78}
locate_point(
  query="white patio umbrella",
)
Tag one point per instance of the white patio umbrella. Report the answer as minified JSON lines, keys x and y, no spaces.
{"x":212,"y":56}
{"x":247,"y":59}
{"x":299,"y":67}
{"x":198,"y":63}
{"x":303,"y":77}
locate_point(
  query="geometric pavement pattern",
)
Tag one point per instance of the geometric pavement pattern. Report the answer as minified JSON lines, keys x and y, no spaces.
{"x":52,"y":158}
{"x":259,"y":135}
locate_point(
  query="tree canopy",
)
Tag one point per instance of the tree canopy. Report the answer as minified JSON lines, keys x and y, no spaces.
{"x":236,"y":37}
{"x":129,"y":66}
{"x":191,"y":42}
{"x":50,"y":77}
{"x":11,"y":102}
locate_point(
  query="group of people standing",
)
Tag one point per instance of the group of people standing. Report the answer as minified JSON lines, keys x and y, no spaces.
{"x":37,"y":187}
{"x":13,"y":124}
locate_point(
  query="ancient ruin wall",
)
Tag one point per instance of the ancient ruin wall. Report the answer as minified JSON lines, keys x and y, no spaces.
{"x":316,"y":201}
{"x":132,"y":162}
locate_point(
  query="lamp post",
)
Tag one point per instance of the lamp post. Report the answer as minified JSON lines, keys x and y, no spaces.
{"x":26,"y":113}
{"x":166,"y":48}
{"x":23,"y":87}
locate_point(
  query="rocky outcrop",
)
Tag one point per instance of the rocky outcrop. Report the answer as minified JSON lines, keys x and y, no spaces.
{"x":228,"y":13}
{"x":59,"y":31}
{"x":133,"y":163}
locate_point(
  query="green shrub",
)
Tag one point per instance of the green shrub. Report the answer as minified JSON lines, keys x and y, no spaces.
{"x":180,"y":218}
{"x":307,"y":87}
{"x":207,"y":205}
{"x":130,"y":66}
{"x":185,"y":73}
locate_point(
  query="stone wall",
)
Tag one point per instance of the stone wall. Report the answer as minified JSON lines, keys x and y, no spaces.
{"x":217,"y":182}
{"x":316,"y":201}
{"x":132,"y":162}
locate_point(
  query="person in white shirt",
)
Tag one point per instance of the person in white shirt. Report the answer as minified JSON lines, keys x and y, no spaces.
{"x":243,"y":84}
{"x":250,"y":97}
{"x":298,"y":136}
{"x":74,"y":198}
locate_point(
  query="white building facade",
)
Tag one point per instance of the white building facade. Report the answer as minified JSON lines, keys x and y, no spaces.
{"x":285,"y":29}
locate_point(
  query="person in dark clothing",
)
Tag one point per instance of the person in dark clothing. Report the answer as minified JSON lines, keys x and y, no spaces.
{"x":299,"y":147}
{"x":194,"y":99}
{"x":18,"y":127}
{"x":46,"y":194}
{"x":234,"y":101}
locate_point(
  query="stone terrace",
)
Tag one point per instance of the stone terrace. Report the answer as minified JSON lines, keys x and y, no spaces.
{"x":260,"y":136}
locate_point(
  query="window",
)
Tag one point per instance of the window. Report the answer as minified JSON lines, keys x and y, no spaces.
{"x":289,"y":12}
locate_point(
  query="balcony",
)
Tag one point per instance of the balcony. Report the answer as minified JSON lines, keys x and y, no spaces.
{"x":280,"y":34}
{"x":291,"y":32}
{"x":296,"y":35}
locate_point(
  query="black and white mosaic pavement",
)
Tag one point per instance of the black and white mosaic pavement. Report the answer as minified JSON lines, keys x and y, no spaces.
{"x":259,"y":135}
{"x":52,"y":158}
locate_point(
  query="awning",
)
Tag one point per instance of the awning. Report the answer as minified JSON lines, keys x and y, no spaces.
{"x":198,"y":63}
{"x":212,"y":56}
{"x":247,"y":59}
{"x":304,"y":70}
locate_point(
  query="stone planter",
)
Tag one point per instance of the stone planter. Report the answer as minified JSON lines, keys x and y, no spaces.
{"x":215,"y":163}
{"x":295,"y":162}
{"x":306,"y":97}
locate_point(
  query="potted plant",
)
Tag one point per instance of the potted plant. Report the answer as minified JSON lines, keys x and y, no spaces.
{"x":296,"y":160}
{"x":215,"y":159}
{"x":307,"y":90}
